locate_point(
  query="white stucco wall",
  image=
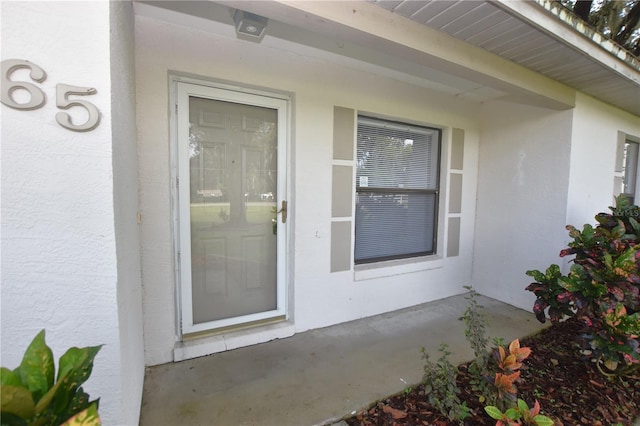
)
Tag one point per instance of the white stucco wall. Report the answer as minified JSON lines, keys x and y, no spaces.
{"x":60,"y":248}
{"x":125,"y":196}
{"x":539,"y":171}
{"x":593,"y":157}
{"x":319,"y":297}
{"x":522,"y":197}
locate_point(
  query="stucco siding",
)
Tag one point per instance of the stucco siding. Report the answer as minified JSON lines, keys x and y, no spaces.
{"x":318,"y":297}
{"x":593,"y":157}
{"x":522,"y":197}
{"x":125,"y":176}
{"x":59,"y":263}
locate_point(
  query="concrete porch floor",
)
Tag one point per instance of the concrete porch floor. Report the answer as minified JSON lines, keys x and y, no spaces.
{"x":319,"y":376}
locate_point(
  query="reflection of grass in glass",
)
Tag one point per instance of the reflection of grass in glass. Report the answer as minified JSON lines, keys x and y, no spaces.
{"x":218,"y":213}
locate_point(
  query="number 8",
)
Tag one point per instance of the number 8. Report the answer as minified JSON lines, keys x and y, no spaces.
{"x":38,"y":97}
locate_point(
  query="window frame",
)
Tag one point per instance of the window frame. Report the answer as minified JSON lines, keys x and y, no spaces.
{"x":403,"y":191}
{"x":635,"y":168}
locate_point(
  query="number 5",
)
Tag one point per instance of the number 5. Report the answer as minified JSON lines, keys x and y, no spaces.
{"x":62,"y":102}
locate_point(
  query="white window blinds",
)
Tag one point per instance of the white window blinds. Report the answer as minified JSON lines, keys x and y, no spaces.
{"x":396,"y":185}
{"x":630,"y":171}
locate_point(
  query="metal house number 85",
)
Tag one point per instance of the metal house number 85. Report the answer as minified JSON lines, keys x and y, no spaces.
{"x":38,"y":98}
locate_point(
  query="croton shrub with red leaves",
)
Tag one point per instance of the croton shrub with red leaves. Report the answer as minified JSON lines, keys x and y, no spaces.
{"x":602,"y":287}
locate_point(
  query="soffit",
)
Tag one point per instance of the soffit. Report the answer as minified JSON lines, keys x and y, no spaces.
{"x":477,"y":50}
{"x":557,"y":51}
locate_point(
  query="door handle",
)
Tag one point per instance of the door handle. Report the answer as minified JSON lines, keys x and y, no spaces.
{"x":283,"y":210}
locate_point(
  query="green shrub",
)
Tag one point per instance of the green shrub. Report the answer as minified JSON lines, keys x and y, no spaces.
{"x":602,"y":287}
{"x":30,"y":395}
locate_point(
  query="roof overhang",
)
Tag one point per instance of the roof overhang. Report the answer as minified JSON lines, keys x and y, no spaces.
{"x":401,"y":39}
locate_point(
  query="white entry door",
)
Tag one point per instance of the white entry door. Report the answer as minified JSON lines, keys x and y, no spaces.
{"x":232,"y":206}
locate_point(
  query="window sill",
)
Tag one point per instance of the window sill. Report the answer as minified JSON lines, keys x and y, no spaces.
{"x":397,"y":267}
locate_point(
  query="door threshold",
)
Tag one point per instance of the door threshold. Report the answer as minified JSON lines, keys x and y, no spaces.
{"x":236,"y":337}
{"x":232,"y":328}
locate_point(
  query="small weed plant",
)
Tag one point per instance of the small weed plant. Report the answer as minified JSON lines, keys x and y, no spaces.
{"x":440,"y":385}
{"x":475,"y":333}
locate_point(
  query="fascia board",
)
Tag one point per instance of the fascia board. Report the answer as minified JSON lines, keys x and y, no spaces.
{"x":575,"y":34}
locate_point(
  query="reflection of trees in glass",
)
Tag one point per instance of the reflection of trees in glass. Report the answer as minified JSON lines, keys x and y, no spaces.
{"x":207,"y":167}
{"x":195,"y":136}
{"x":261,"y":163}
{"x":232,"y":159}
{"x":384,"y":160}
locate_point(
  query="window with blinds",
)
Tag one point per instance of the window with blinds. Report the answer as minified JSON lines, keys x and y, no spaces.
{"x":396,"y":190}
{"x":630,"y":171}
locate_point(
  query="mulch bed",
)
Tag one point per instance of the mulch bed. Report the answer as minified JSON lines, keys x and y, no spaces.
{"x":570,"y":390}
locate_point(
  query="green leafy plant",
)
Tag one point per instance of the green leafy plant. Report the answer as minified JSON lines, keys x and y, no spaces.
{"x":475,"y":333}
{"x":521,"y":414}
{"x":552,"y":297}
{"x":30,"y":395}
{"x":602,"y":288}
{"x":615,"y":338}
{"x":439,"y":381}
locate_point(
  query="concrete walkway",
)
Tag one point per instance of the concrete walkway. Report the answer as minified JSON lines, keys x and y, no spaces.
{"x":318,"y":377}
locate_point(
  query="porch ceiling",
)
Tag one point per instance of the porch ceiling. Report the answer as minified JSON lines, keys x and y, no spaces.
{"x":563,"y":51}
{"x":478,"y":50}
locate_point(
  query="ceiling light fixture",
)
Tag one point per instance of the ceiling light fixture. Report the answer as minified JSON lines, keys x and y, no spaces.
{"x":249,"y":26}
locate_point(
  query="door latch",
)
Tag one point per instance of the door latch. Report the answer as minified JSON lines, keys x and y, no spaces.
{"x":283,"y":210}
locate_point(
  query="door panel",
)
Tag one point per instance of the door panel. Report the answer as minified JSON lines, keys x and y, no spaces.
{"x":229,"y":148}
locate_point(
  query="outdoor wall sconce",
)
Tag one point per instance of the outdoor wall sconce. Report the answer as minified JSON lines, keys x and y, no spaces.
{"x":249,"y":26}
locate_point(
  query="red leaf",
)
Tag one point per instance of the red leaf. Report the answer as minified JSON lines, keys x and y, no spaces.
{"x":535,"y":410}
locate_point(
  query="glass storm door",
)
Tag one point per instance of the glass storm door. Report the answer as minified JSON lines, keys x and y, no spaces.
{"x":232,"y":206}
